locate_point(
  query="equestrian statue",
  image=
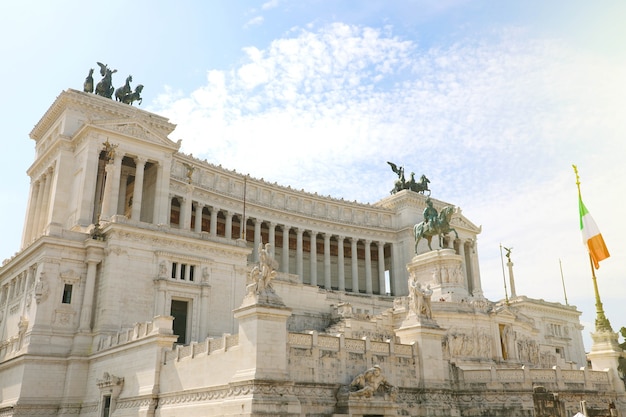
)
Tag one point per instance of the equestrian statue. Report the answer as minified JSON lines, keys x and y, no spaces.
{"x":434,"y":224}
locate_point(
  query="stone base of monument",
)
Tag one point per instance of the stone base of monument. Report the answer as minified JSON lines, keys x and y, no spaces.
{"x":380,"y":404}
{"x":442,"y":269}
{"x":428,"y":336}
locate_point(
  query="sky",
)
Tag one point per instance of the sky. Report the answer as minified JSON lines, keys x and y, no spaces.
{"x":493,"y":101}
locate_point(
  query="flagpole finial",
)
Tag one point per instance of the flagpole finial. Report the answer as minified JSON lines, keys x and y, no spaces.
{"x":577,"y":177}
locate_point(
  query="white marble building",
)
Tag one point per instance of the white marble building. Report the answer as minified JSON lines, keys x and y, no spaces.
{"x":148,"y":313}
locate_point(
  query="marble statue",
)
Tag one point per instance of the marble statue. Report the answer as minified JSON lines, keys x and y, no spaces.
{"x":263,"y":274}
{"x":369,"y":383}
{"x":420,"y":298}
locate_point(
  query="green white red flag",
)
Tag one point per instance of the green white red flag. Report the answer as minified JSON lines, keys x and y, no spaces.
{"x":591,"y":235}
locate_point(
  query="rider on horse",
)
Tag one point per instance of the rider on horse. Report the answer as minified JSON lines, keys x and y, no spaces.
{"x":430,"y":214}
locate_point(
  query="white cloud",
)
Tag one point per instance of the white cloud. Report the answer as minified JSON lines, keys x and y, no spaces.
{"x":495,"y":124}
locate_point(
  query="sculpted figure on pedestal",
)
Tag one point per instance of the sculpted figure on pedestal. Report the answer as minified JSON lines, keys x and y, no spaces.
{"x":263,"y":274}
{"x":420,"y":298}
{"x":371,"y":382}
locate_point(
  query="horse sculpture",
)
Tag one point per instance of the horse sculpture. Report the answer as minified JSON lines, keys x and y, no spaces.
{"x":124,"y":90}
{"x":134,"y":96}
{"x":88,"y":84}
{"x":439,"y":226}
{"x":418,"y":187}
{"x":104,"y":87}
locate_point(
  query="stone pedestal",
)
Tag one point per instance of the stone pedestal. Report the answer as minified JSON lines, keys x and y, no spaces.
{"x":263,"y":337}
{"x":360,"y":407}
{"x":428,"y":337}
{"x":442,"y":269}
{"x":263,"y":342}
{"x":604,"y":354}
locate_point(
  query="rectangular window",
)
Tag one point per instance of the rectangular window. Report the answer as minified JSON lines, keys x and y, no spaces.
{"x":183,"y":269}
{"x":67,"y":294}
{"x":174,"y":268}
{"x":191,"y":271}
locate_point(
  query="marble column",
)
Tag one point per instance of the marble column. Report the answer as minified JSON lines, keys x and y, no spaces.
{"x":121,"y":203}
{"x":299,"y":260}
{"x":328,"y":284}
{"x":39,"y":216}
{"x":94,"y":257}
{"x":47,"y":199}
{"x":197,"y":227}
{"x":30,"y":216}
{"x":381,"y":268}
{"x":285,"y":253}
{"x":313,"y":253}
{"x":111,"y":187}
{"x":355,"y":265}
{"x":368,"y":266}
{"x":213,"y":225}
{"x":272,"y":237}
{"x":183,"y":219}
{"x":257,"y":238}
{"x":228,"y":232}
{"x":140,"y":164}
{"x":341,"y":270}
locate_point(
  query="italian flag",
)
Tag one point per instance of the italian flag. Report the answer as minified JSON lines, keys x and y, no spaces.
{"x":591,"y":235}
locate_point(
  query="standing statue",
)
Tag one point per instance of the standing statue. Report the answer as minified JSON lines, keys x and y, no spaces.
{"x":508,"y":253}
{"x":88,"y":84}
{"x":419,"y":298}
{"x":401,"y":182}
{"x":438,"y":225}
{"x":105,"y":87}
{"x":121,"y":92}
{"x":263,"y":274}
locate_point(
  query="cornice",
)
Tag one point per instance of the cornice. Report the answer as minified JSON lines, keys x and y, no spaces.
{"x":98,"y":105}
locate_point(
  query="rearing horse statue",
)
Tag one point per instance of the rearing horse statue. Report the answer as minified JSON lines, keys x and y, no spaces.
{"x":438,"y":227}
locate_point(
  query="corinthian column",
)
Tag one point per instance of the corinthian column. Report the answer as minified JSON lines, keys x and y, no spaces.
{"x":140,"y":164}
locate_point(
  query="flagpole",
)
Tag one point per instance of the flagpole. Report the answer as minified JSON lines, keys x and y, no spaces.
{"x":506,"y":295}
{"x":602,"y":323}
{"x":563,"y":282}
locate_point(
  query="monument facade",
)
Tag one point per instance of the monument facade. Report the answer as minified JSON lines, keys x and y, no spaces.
{"x":151,"y":283}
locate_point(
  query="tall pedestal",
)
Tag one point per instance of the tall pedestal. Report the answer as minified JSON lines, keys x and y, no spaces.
{"x":428,"y":337}
{"x":442,"y":269}
{"x":263,"y":341}
{"x":605,"y":352}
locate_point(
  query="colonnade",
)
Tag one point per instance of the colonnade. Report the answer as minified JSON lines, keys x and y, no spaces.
{"x":38,"y":212}
{"x":115,"y":187}
{"x":318,"y":258}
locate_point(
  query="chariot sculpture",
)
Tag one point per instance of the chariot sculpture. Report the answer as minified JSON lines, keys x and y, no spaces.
{"x":104,"y":88}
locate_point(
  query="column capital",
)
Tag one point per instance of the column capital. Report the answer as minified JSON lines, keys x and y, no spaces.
{"x":140,"y":160}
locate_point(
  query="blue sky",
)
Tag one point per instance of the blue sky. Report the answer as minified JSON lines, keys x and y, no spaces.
{"x":493,"y":101}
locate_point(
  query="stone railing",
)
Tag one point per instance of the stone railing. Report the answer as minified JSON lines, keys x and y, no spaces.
{"x":553,"y":379}
{"x":338,"y":343}
{"x":160,"y":325}
{"x":207,"y":347}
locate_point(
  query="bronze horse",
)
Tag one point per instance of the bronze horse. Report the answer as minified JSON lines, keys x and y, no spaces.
{"x":124,"y":90}
{"x":439,"y":227}
{"x":104,"y":87}
{"x":134,"y":96}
